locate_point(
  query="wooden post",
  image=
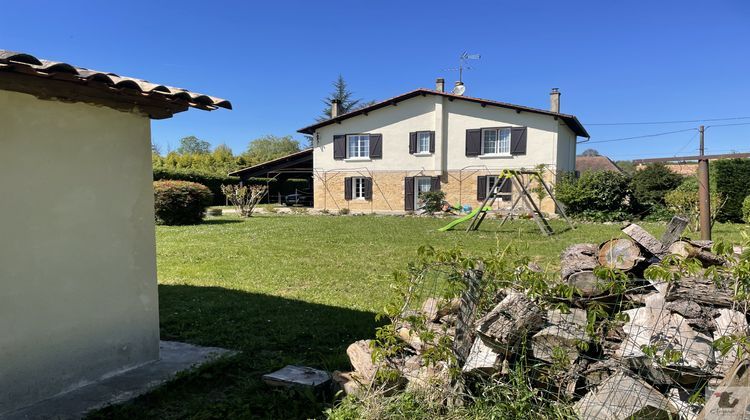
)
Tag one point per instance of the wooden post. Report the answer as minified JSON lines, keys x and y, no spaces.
{"x":704,"y":196}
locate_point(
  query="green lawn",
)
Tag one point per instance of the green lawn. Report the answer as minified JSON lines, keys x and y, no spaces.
{"x":298,"y":289}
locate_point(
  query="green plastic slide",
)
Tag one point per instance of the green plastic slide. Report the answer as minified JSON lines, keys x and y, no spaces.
{"x":460,"y":220}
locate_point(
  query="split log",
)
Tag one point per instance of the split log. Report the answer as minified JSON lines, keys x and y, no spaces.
{"x":681,"y":401}
{"x":662,"y":331}
{"x":623,"y":396}
{"x":622,"y":254}
{"x":586,"y":283}
{"x":349,"y":382}
{"x":644,"y":239}
{"x":360,"y":356}
{"x":511,"y":319}
{"x":564,"y":332}
{"x":435,"y":308}
{"x":729,"y":322}
{"x":687,"y":249}
{"x":430,"y":378}
{"x":578,"y":257}
{"x":686,"y":308}
{"x":597,"y":372}
{"x":482,"y":358}
{"x":701,"y":291}
{"x":675,"y":227}
{"x":467,"y":312}
{"x":731,"y":397}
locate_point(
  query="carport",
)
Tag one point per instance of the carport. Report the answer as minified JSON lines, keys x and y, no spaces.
{"x":288,"y":174}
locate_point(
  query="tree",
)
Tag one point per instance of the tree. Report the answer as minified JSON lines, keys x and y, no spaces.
{"x":651,"y":184}
{"x":270,"y":147}
{"x":345,"y":97}
{"x":590,"y":152}
{"x":193,"y":145}
{"x":155,"y":149}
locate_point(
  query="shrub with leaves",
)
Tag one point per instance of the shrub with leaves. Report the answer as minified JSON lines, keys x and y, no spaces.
{"x":180,"y":202}
{"x":746,"y":209}
{"x":244,"y":198}
{"x":595,"y":195}
{"x":432,"y":201}
{"x":683,"y":201}
{"x":651,"y":184}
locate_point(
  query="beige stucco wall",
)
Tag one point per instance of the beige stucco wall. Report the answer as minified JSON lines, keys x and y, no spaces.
{"x":78,"y":295}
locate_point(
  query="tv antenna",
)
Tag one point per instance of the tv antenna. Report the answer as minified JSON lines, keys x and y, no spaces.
{"x":462,"y":61}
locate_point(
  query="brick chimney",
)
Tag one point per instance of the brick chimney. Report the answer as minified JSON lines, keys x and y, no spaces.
{"x":554,"y":100}
{"x":440,"y":85}
{"x":335,"y":108}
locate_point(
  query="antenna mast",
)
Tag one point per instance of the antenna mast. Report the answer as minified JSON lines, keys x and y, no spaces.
{"x":462,"y":61}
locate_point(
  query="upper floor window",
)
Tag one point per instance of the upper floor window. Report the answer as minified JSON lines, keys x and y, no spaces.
{"x":358,"y":145}
{"x":423,"y":141}
{"x":496,"y":141}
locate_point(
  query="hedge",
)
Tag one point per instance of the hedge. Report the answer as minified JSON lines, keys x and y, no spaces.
{"x":212,"y":181}
{"x":595,"y":195}
{"x":180,"y":202}
{"x":733,"y":183}
{"x":746,"y":209}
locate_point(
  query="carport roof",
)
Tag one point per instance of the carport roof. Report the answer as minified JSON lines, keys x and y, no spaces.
{"x":303,"y":157}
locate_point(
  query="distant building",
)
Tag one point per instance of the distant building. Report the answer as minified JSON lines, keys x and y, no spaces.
{"x":595,"y":164}
{"x":682,"y":168}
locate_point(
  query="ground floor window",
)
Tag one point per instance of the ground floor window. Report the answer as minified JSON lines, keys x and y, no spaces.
{"x":421,"y":184}
{"x":358,"y":188}
{"x":504,"y":193}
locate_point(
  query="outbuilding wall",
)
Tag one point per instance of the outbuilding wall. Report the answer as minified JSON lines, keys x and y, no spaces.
{"x":78,"y":295}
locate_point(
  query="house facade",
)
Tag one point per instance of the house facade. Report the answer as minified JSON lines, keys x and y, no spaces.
{"x":79,"y":298}
{"x":380,"y":158}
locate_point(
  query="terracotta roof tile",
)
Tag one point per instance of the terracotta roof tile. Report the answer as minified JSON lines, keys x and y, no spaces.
{"x":30,"y":65}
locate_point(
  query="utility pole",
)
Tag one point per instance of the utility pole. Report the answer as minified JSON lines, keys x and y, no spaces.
{"x":704,"y":195}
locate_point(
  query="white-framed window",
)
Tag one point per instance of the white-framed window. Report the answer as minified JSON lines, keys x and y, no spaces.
{"x":358,"y":188}
{"x":496,"y":141}
{"x":358,"y":145}
{"x":421,"y":184}
{"x":503,"y":196}
{"x":423,"y":142}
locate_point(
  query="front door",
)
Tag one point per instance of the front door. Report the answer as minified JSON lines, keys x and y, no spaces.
{"x":421,"y":184}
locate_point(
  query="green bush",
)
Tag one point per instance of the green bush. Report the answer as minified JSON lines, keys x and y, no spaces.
{"x":180,"y":202}
{"x":650,"y":185}
{"x":746,"y":209}
{"x":683,"y":201}
{"x":733,"y":184}
{"x":212,"y":181}
{"x":597,"y":196}
{"x":433,"y":201}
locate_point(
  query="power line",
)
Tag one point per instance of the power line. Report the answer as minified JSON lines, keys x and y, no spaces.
{"x":671,"y":122}
{"x":641,"y":137}
{"x":727,"y":125}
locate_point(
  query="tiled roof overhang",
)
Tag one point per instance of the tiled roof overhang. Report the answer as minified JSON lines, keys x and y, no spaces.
{"x":53,"y":79}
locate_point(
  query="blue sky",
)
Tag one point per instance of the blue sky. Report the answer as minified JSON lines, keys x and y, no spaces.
{"x":275,"y":60}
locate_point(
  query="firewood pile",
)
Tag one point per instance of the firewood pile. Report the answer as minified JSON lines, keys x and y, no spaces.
{"x":642,"y":350}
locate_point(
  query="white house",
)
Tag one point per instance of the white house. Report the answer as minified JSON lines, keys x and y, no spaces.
{"x":379,"y":158}
{"x":78,"y":295}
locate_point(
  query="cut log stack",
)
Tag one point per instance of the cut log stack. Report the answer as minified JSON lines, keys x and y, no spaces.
{"x":648,"y":358}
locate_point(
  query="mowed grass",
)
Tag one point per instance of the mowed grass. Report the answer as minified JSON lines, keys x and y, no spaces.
{"x":298,"y":289}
